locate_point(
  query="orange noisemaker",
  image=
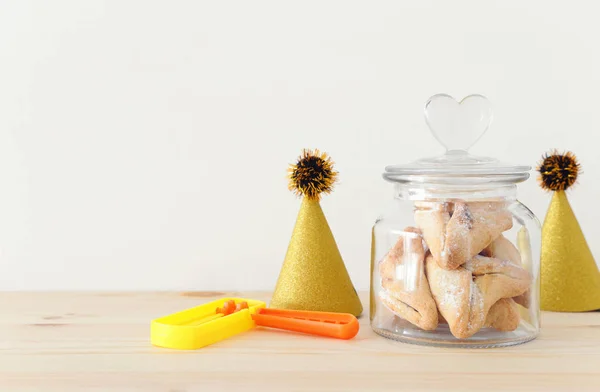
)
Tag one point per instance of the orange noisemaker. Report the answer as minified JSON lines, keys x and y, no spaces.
{"x":335,"y":325}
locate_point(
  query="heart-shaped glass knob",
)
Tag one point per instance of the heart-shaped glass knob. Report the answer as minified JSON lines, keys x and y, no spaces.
{"x":458,"y":125}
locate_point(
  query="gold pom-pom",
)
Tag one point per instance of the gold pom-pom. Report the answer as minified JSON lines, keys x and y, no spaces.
{"x":558,"y":171}
{"x":312,"y":175}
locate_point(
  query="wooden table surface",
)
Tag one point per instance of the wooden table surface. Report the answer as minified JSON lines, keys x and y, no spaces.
{"x":100,"y":342}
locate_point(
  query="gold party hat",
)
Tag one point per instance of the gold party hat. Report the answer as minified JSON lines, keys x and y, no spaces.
{"x":313,"y":276}
{"x":570,"y":278}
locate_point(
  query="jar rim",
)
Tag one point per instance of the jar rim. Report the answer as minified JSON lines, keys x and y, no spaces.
{"x":457,"y":168}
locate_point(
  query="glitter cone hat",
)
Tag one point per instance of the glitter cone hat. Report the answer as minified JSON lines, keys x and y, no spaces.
{"x":313,"y":276}
{"x":570,"y":276}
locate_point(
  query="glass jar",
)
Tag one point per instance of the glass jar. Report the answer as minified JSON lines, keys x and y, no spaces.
{"x":455,"y":258}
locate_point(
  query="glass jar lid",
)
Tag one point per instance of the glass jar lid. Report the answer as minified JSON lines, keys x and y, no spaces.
{"x":457,"y":126}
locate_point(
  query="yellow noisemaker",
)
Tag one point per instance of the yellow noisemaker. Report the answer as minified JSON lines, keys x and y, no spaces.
{"x":313,"y":276}
{"x":203,"y":325}
{"x":570,"y":280}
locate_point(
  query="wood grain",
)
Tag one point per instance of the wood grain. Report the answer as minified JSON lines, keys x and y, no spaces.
{"x":100,"y":342}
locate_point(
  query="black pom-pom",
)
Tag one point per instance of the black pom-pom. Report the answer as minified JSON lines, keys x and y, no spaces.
{"x":312,"y":175}
{"x":558,"y":171}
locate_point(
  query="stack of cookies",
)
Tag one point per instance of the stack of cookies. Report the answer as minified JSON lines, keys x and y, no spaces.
{"x":456,"y":267}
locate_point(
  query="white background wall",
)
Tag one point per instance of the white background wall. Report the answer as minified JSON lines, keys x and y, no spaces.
{"x":144,"y":144}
